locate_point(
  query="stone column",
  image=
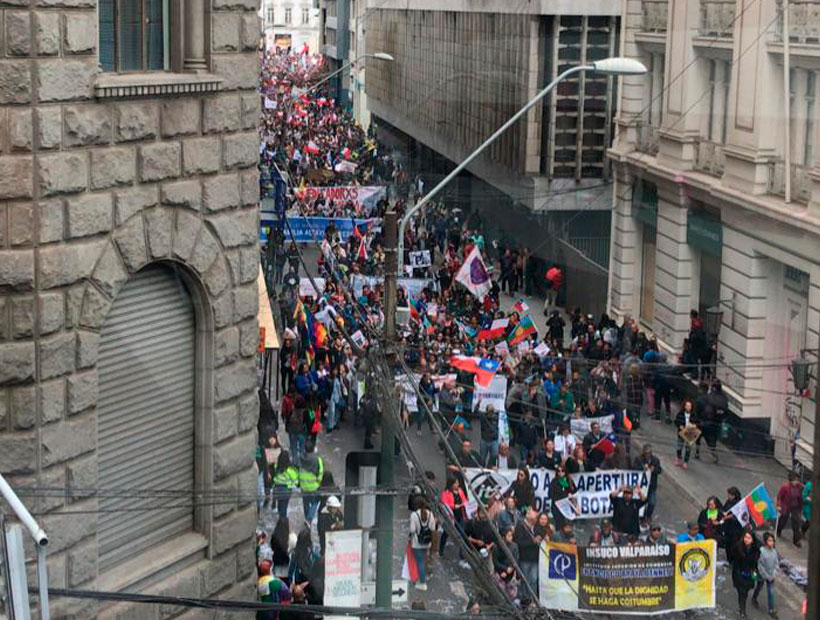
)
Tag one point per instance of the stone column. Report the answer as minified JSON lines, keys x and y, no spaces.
{"x":623,"y":255}
{"x":673,"y":271}
{"x":194,"y":59}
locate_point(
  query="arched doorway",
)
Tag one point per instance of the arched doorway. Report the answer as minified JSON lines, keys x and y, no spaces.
{"x":146,"y":429}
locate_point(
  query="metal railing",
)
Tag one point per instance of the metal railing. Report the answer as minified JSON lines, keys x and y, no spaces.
{"x":804,"y":21}
{"x":800,"y":181}
{"x":717,"y":17}
{"x":595,"y":249}
{"x":647,"y":139}
{"x":655,"y":15}
{"x":709,"y":158}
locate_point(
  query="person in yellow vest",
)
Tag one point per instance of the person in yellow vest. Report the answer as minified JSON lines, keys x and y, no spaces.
{"x":311,"y":471}
{"x":285,"y":480}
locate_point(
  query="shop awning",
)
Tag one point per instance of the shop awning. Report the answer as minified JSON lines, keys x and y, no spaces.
{"x":267,"y":329}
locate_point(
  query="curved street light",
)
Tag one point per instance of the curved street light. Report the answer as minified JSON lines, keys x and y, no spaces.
{"x":607,"y":66}
{"x":377,"y":55}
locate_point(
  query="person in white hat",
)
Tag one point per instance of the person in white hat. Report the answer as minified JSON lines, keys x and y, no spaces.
{"x":330,"y":519}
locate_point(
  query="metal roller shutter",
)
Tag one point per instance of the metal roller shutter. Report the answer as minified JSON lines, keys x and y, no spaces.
{"x":146,"y":416}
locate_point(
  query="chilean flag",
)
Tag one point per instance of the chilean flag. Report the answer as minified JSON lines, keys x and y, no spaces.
{"x":496,"y":330}
{"x":312,"y":148}
{"x":484,"y":369}
{"x":410,"y":568}
{"x":362,"y":253}
{"x":346,"y":153}
{"x":606,"y":445}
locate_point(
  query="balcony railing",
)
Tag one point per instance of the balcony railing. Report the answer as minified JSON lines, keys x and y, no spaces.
{"x":717,"y":17}
{"x":804,"y":21}
{"x":800,"y":181}
{"x":709,"y":158}
{"x":647,"y":139}
{"x":655,"y":15}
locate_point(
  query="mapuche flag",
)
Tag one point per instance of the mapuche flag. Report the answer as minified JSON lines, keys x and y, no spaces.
{"x":523,"y":330}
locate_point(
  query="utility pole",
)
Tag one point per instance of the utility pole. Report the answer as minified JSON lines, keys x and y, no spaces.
{"x":384,"y":503}
{"x":813,"y":608}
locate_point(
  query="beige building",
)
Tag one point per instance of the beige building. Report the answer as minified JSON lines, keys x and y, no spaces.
{"x":717,"y":202}
{"x":128,"y":298}
{"x":291,"y":23}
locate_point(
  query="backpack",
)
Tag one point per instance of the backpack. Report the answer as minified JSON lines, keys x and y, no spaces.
{"x":425,"y":535}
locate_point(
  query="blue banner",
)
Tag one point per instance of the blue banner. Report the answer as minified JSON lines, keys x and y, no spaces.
{"x":309,"y":229}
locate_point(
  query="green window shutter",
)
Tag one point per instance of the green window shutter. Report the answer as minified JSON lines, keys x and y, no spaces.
{"x":107,"y":36}
{"x":130,"y":35}
{"x":154,"y":34}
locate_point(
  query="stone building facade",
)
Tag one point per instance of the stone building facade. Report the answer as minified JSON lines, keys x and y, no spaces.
{"x":717,"y":206}
{"x":106,"y":177}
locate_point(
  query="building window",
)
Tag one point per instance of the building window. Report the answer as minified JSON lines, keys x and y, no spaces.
{"x":808,"y":126}
{"x":270,"y":15}
{"x":720,"y":76}
{"x":305,"y":16}
{"x":288,"y":15}
{"x":647,"y":292}
{"x":133,"y":35}
{"x":654,"y":108}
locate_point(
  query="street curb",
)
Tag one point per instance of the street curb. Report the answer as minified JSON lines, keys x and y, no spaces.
{"x":790,"y":591}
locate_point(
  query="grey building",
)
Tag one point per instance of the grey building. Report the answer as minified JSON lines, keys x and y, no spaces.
{"x":334,"y":41}
{"x":462,"y":69}
{"x":128,"y":297}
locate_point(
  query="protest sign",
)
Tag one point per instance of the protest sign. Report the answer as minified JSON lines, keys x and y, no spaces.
{"x":494,"y":394}
{"x":413,"y":286}
{"x":420,"y":259}
{"x":407,"y":383}
{"x":311,"y":229}
{"x":542,"y":350}
{"x":364,"y":198}
{"x":581,"y":426}
{"x":592,"y":500}
{"x":502,"y":348}
{"x":306,"y":288}
{"x":343,"y":568}
{"x":642,"y":579}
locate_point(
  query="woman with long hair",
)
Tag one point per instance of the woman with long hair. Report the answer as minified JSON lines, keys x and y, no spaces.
{"x":522,"y":490}
{"x":744,"y":569}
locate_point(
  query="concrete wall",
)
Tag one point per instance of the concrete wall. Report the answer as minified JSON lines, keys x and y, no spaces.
{"x":91,"y":190}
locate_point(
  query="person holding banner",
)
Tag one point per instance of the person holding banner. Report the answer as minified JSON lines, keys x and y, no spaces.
{"x":626,"y":510}
{"x":522,"y":490}
{"x":561,"y":487}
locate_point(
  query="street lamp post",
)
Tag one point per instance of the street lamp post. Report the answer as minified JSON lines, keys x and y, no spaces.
{"x":607,"y":66}
{"x":377,"y":55}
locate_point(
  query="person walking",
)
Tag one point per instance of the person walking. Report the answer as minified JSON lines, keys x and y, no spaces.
{"x":767,"y":569}
{"x":285,"y":480}
{"x":684,"y":420}
{"x":554,"y":279}
{"x":488,"y":446}
{"x":455,"y":500}
{"x":744,"y":569}
{"x":311,"y":472}
{"x":790,"y":506}
{"x":422,"y":526}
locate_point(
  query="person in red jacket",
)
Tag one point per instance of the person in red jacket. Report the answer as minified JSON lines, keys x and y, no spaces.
{"x":790,"y":505}
{"x":555,"y":278}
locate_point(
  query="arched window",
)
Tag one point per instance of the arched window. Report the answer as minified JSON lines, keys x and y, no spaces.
{"x":146,"y":430}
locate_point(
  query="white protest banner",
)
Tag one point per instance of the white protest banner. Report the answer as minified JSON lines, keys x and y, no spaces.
{"x":420,"y":259}
{"x":502,"y":348}
{"x":270,"y":104}
{"x":592,"y":499}
{"x":343,"y":568}
{"x":503,"y":428}
{"x":542,"y":350}
{"x":364,"y":198}
{"x":358,"y":338}
{"x":413,"y":286}
{"x":306,"y":287}
{"x":411,"y":399}
{"x":581,"y":426}
{"x":494,"y":394}
{"x":440,"y":380}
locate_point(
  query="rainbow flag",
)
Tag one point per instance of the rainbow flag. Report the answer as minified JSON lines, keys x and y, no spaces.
{"x":523,"y":330}
{"x":299,"y":314}
{"x":319,"y":335}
